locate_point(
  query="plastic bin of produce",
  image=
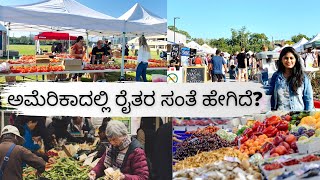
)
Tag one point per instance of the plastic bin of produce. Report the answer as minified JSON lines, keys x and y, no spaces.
{"x":267,"y":173}
{"x":310,"y":159}
{"x":306,"y":147}
{"x":292,"y":167}
{"x":159,"y":78}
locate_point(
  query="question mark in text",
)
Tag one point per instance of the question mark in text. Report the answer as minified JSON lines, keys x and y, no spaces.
{"x":259,"y":94}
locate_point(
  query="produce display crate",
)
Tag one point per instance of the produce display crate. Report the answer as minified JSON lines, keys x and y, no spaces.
{"x":309,"y":147}
{"x":293,"y":167}
{"x":51,"y":77}
{"x":10,"y":79}
{"x":42,"y":61}
{"x":272,"y":172}
{"x":72,"y":65}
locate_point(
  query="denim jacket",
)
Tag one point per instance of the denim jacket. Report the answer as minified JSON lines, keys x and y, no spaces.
{"x":306,"y":92}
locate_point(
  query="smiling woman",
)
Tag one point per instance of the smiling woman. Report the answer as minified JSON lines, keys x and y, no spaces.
{"x":290,"y":87}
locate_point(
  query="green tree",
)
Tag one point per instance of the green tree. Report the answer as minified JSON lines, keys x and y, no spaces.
{"x":185,"y":33}
{"x":200,"y":41}
{"x":297,"y":38}
{"x":240,"y":37}
{"x":289,"y":42}
{"x":172,"y":28}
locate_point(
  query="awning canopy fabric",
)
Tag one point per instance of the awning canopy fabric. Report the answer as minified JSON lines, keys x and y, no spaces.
{"x":54,"y":36}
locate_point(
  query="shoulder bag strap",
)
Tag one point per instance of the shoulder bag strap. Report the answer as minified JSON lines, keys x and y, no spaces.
{"x":6,"y":158}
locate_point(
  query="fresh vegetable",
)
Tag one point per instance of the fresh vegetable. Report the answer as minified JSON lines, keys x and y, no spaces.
{"x":273,"y":166}
{"x":201,"y":159}
{"x":291,"y":162}
{"x":273,"y":120}
{"x":65,"y":168}
{"x":221,"y":170}
{"x":282,"y":126}
{"x":270,"y":131}
{"x":240,"y":131}
{"x":310,"y":158}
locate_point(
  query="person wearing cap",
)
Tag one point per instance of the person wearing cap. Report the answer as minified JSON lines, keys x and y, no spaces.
{"x":11,"y":139}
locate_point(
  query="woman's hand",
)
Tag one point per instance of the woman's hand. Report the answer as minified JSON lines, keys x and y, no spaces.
{"x":92,"y":175}
{"x":36,"y":139}
{"x":51,"y":160}
{"x":122,"y":176}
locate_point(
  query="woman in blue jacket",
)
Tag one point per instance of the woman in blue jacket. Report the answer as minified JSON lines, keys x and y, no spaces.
{"x":290,"y":87}
{"x":30,"y":125}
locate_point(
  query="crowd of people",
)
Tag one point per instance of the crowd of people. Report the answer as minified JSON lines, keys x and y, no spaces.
{"x":28,"y":138}
{"x":285,"y":78}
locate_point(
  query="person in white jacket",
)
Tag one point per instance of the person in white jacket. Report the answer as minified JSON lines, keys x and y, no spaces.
{"x":143,"y":57}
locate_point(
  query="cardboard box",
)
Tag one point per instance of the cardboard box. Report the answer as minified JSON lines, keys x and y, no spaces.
{"x":10,"y":78}
{"x":42,"y":61}
{"x":72,"y":65}
{"x":51,"y":77}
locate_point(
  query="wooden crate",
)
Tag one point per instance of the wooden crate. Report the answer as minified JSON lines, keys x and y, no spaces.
{"x":10,"y":78}
{"x":51,"y":77}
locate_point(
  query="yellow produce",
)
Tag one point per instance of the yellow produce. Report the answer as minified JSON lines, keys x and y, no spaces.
{"x":318,"y":125}
{"x":309,"y":120}
{"x":204,"y":158}
{"x":317,"y":115}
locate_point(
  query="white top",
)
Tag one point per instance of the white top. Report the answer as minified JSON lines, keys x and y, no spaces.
{"x":143,"y":55}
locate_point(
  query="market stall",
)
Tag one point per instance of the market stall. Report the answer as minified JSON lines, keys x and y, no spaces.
{"x":74,"y":160}
{"x":276,"y":145}
{"x":83,"y":21}
{"x":65,"y":64}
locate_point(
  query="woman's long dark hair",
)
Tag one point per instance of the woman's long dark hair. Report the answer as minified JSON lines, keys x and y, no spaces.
{"x":296,"y":78}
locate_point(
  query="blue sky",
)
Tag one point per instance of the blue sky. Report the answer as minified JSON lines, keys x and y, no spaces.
{"x":214,"y":18}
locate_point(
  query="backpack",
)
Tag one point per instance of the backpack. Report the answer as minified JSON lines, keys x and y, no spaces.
{"x":133,"y":145}
{"x":6,"y":160}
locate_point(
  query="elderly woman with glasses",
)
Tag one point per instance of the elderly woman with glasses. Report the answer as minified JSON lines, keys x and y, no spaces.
{"x":124,"y":154}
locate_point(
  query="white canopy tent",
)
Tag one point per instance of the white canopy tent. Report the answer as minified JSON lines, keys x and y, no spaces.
{"x":315,"y":38}
{"x":278,"y":48}
{"x":71,"y":17}
{"x":208,"y":49}
{"x":57,"y":15}
{"x":150,"y":24}
{"x":299,"y":45}
{"x":138,"y":14}
{"x":194,"y":45}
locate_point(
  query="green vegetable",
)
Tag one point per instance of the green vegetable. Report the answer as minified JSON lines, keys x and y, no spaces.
{"x":65,"y":168}
{"x":240,"y":131}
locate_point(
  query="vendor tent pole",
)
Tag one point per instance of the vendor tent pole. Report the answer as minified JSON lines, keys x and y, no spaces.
{"x":122,"y":78}
{"x":2,"y":119}
{"x":69,"y":45}
{"x":87,"y":44}
{"x":8,"y":34}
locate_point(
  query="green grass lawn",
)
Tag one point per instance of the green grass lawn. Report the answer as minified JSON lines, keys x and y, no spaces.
{"x":31,"y":49}
{"x":111,"y":77}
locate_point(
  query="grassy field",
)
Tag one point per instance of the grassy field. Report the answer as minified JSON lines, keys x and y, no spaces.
{"x":111,"y":77}
{"x":31,"y":49}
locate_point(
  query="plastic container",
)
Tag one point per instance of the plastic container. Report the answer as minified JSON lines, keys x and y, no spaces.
{"x":159,"y":78}
{"x":306,"y":147}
